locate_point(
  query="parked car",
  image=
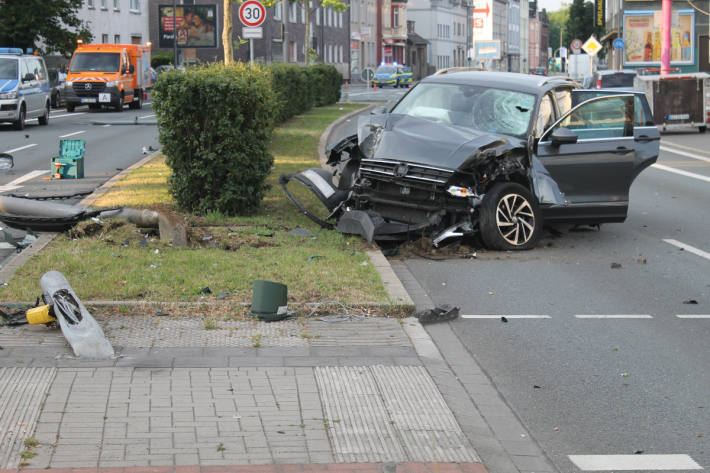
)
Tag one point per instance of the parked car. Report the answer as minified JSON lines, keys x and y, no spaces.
{"x":487,"y":153}
{"x":24,"y":88}
{"x":57,"y":82}
{"x":613,"y":80}
{"x":538,"y":71}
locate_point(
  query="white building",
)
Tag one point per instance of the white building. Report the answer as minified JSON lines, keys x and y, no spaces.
{"x":363,"y":36}
{"x":116,"y":21}
{"x":445,"y":24}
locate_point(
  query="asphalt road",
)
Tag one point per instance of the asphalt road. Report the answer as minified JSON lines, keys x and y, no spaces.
{"x":609,"y":361}
{"x":109,"y":149}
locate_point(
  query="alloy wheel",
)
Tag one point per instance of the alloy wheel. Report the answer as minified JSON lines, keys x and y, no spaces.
{"x":515,"y":219}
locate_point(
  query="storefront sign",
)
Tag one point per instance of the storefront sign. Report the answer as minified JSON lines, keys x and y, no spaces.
{"x":599,"y":12}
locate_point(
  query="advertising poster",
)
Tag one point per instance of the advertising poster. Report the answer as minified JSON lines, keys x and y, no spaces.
{"x":195,"y":25}
{"x":642,"y":37}
{"x":487,"y":49}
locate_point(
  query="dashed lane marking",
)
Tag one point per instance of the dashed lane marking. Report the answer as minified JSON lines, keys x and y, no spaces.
{"x":693,"y":316}
{"x":612,"y":316}
{"x":688,"y":248}
{"x":493,"y":316}
{"x":72,"y":134}
{"x":16,"y":183}
{"x":684,"y":153}
{"x":67,"y":115}
{"x":148,"y":116}
{"x":14,"y":150}
{"x":661,"y":167}
{"x":634,"y":462}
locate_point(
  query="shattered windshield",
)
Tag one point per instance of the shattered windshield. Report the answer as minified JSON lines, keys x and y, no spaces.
{"x":476,"y":107}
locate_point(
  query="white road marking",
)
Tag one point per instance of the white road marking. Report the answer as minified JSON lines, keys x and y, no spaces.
{"x":6,"y":246}
{"x":10,"y":151}
{"x":147,"y":103}
{"x":688,"y":248}
{"x":68,"y":115}
{"x":72,"y":134}
{"x":148,"y":116}
{"x":16,"y":183}
{"x":634,"y":462}
{"x":491,"y":316}
{"x":612,"y":316}
{"x":693,"y":316}
{"x":683,"y":153}
{"x":681,"y":172}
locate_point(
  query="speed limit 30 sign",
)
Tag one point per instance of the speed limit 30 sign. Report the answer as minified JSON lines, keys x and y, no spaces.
{"x":252,"y":13}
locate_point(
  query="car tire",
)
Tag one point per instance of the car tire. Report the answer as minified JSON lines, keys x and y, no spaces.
{"x":20,"y":123}
{"x":510,"y":218}
{"x":136,"y":104}
{"x":54,"y":101}
{"x":702,"y":129}
{"x":70,"y":108}
{"x":119,"y":106}
{"x":44,"y":119}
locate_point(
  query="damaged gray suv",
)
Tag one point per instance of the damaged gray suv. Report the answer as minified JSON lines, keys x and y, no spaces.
{"x":484,"y":153}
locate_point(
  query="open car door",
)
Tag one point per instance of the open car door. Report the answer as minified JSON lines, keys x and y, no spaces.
{"x":589,"y":152}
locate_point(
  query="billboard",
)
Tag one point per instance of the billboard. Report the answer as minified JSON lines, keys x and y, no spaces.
{"x":483,"y":23}
{"x":486,"y":49}
{"x":196,"y":26}
{"x":642,"y":37}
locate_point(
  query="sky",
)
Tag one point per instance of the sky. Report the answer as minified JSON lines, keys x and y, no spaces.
{"x":551,"y":5}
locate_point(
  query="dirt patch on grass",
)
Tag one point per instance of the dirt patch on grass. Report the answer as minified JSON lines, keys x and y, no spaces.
{"x":230,"y":238}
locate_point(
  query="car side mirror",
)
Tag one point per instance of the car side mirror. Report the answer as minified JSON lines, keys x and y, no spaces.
{"x":378,"y":111}
{"x":131,"y":69}
{"x":563,"y":136}
{"x":29,"y":77}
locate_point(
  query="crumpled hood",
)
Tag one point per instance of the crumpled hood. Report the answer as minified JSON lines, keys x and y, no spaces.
{"x":416,"y":140}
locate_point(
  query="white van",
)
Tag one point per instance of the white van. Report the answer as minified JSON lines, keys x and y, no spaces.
{"x":24,"y":88}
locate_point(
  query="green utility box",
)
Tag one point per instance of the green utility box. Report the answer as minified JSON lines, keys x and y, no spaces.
{"x":71,"y":156}
{"x":269,"y":300}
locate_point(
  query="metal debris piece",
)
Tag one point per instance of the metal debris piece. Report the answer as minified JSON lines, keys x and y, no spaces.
{"x":443,"y":313}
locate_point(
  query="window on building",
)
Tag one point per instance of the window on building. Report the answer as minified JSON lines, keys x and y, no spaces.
{"x":395,"y":18}
{"x":90,"y":3}
{"x":303,"y":13}
{"x":117,"y":38}
{"x":135,"y":5}
{"x":340,"y":19}
{"x":292,"y":13}
{"x":115,"y":4}
{"x":103,"y":4}
{"x":317,"y":15}
{"x":104,"y":38}
{"x":278,"y":11}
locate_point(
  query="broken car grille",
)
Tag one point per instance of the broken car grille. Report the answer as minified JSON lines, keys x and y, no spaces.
{"x":404,"y":172}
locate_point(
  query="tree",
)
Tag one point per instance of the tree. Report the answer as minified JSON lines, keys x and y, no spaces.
{"x":557,"y":20}
{"x":310,"y":8}
{"x":580,"y":23}
{"x":227,"y":33}
{"x":45,"y":25}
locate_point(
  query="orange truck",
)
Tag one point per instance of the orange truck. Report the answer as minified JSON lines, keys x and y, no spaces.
{"x":110,"y":75}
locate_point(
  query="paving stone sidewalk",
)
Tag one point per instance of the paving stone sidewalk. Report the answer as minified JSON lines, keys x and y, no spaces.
{"x":331,"y":391}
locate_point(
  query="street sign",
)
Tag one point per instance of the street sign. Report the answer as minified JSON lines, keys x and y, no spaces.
{"x":367,"y":74}
{"x":576,"y":45}
{"x":619,"y":43}
{"x":252,"y":13}
{"x":592,"y":46}
{"x":253,"y":32}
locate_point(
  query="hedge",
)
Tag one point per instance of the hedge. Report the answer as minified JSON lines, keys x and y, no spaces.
{"x":215,"y":124}
{"x":299,"y":88}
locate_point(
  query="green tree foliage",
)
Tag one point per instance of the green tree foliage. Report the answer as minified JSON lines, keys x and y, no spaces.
{"x":557,"y":20}
{"x":580,"y":23}
{"x":44,"y":25}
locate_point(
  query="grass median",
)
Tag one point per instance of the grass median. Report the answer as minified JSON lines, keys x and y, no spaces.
{"x":116,"y":261}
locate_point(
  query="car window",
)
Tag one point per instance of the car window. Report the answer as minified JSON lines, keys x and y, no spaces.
{"x":564,"y":100}
{"x":620,"y":79}
{"x":8,"y":69}
{"x":100,"y":62}
{"x":385,"y":70}
{"x":24,"y":69}
{"x":545,"y":116}
{"x":642,"y":113}
{"x":481,"y":108}
{"x":37,"y":68}
{"x":607,"y":117}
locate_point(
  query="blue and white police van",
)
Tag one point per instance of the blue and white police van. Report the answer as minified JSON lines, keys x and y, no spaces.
{"x":24,"y":88}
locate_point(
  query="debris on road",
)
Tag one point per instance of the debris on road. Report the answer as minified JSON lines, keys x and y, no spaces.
{"x":616,"y":266}
{"x":691,"y":302}
{"x":442,"y":313}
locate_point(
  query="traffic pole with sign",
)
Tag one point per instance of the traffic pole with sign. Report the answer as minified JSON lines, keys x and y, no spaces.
{"x":252,"y":14}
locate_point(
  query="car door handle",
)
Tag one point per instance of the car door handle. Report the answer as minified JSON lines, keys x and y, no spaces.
{"x":646,"y":138}
{"x":621,"y":150}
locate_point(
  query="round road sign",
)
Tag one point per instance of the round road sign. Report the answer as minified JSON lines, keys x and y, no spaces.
{"x":576,"y":45}
{"x":252,"y":13}
{"x":619,"y":43}
{"x":367,"y":74}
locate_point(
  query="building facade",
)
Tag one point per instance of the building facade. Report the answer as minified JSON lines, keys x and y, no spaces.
{"x":363,"y":36}
{"x":116,"y":21}
{"x":445,"y":25}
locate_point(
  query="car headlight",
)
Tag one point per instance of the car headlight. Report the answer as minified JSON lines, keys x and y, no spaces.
{"x":111,"y":83}
{"x":9,"y":95}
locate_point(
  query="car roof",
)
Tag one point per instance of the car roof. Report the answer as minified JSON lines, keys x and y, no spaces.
{"x":624,"y":71}
{"x":503,"y":80}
